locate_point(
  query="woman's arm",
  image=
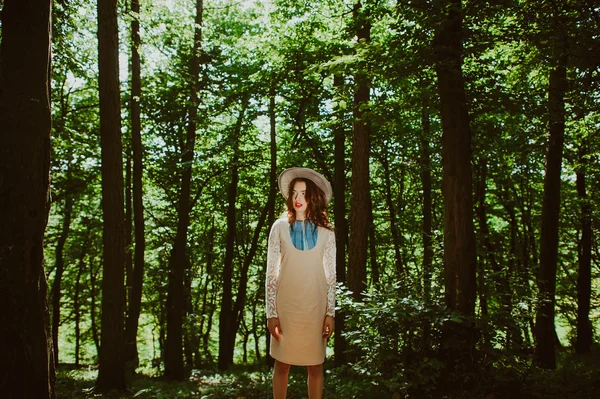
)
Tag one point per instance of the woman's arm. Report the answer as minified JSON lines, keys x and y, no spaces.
{"x":273,"y":263}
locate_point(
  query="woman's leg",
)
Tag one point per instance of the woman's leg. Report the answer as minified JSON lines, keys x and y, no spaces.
{"x":280,"y":379}
{"x":315,"y":381}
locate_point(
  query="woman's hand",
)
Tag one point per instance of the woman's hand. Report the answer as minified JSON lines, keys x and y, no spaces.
{"x":274,"y":327}
{"x":328,"y":326}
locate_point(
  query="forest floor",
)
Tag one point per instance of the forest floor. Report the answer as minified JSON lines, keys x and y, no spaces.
{"x":578,"y":377}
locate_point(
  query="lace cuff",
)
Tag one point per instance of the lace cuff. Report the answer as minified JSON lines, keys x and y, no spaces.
{"x":330,"y":273}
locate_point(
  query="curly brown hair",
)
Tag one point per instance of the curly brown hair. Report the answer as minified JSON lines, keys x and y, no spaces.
{"x":316,"y":204}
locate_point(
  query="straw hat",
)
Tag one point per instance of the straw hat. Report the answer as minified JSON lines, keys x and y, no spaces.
{"x":286,"y":177}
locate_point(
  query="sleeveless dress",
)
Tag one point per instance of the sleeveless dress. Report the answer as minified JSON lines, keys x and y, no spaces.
{"x":300,"y":291}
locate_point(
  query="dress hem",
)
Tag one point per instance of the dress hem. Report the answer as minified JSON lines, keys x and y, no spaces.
{"x":299,"y":364}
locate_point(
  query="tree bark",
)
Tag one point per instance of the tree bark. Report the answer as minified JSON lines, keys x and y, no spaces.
{"x":360,"y":187}
{"x":25,"y":120}
{"x":174,"y":365}
{"x":544,"y":355}
{"x":584,"y":339}
{"x":111,"y":361}
{"x":339,"y":214}
{"x":459,"y":236}
{"x":137,"y":278}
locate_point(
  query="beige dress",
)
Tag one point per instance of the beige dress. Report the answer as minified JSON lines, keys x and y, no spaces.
{"x":300,"y":291}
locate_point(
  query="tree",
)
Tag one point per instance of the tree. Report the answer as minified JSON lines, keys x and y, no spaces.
{"x":228,"y":325}
{"x":359,"y":186}
{"x":177,"y":264}
{"x":459,"y":235}
{"x":272,"y":194}
{"x":545,"y":335}
{"x":339,"y":213}
{"x":137,"y":277}
{"x":25,"y":123}
{"x":111,"y":358}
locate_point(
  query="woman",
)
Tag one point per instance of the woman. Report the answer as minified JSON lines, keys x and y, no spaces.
{"x":300,"y":284}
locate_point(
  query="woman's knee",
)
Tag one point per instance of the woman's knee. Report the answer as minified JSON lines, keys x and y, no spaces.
{"x":315,"y":371}
{"x":282,"y":368}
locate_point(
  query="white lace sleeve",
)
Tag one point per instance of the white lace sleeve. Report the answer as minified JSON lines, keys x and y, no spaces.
{"x":330,"y":277}
{"x":273,"y":263}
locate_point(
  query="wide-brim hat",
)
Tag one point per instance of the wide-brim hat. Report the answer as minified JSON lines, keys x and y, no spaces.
{"x":286,"y":177}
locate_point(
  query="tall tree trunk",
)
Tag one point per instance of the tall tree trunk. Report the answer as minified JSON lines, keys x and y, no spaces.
{"x":339,"y":214}
{"x":227,"y":323}
{"x":360,"y":188}
{"x":544,"y":355}
{"x":25,"y":120}
{"x":174,"y":366}
{"x":59,"y":270}
{"x":459,"y":236}
{"x":272,"y":196}
{"x":584,"y":278}
{"x":137,"y":279}
{"x":111,"y":361}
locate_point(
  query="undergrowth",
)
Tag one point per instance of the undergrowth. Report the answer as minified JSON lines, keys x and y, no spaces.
{"x":577,"y":377}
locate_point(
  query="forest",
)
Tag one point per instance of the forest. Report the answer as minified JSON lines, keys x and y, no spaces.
{"x":140,"y":145}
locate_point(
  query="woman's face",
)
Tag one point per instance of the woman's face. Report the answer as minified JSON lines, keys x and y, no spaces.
{"x":298,"y":195}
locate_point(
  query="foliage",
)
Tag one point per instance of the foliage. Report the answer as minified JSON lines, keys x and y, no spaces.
{"x":393,"y":334}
